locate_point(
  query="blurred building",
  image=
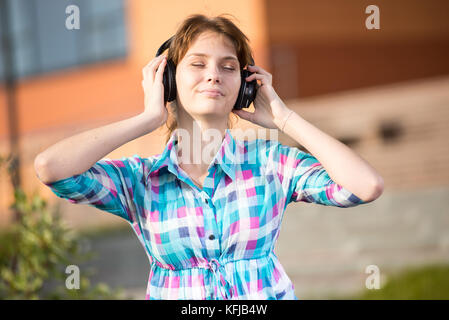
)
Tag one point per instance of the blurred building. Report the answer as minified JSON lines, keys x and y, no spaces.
{"x":383,"y":92}
{"x":72,"y":80}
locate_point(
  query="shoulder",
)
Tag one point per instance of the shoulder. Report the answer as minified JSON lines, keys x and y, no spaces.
{"x":258,"y":150}
{"x":267,"y":149}
{"x":131,"y":165}
{"x":274,"y":153}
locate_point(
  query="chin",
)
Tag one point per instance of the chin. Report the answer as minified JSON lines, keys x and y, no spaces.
{"x":211,"y":106}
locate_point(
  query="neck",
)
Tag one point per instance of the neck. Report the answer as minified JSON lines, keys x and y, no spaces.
{"x":199,"y":141}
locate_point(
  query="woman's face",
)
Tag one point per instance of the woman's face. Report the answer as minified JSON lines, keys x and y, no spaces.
{"x":208,"y":76}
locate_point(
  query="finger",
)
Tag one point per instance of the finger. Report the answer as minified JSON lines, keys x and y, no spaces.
{"x":160,"y":71}
{"x":244,"y":114}
{"x":148,"y":66}
{"x":258,"y":70}
{"x":154,"y":62}
{"x":161,"y":59}
{"x":152,"y":66}
{"x":263,"y":78}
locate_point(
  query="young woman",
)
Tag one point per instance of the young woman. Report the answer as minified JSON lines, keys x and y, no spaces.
{"x":209,"y":227}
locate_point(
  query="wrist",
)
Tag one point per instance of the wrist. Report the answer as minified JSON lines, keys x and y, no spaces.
{"x":282,"y":118}
{"x":147,"y":122}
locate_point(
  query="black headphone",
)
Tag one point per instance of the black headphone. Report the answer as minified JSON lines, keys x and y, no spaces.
{"x":247,"y":92}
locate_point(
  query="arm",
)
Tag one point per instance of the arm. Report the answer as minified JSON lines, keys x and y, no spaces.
{"x":76,"y":154}
{"x":71,"y":170}
{"x":303,"y":177}
{"x":344,"y":166}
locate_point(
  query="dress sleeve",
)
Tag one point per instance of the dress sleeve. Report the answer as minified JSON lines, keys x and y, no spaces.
{"x":108,"y":185}
{"x":303,"y":178}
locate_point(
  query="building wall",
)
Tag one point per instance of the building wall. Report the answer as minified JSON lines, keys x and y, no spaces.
{"x":56,"y":105}
{"x":400,"y":129}
{"x":330,"y":50}
{"x":323,"y":46}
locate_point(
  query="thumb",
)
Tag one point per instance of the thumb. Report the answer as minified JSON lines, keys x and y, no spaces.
{"x":244,"y":114}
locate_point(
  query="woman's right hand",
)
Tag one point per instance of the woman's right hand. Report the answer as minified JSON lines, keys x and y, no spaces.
{"x":153,"y":88}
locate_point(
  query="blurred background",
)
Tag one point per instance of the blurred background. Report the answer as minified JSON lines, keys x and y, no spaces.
{"x":383,"y":92}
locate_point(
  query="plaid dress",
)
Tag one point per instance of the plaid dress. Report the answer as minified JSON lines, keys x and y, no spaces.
{"x":216,"y":242}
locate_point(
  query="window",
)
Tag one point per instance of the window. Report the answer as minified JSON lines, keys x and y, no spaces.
{"x":41,"y":42}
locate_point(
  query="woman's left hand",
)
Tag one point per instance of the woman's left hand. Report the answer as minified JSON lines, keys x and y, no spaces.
{"x":270,"y":110}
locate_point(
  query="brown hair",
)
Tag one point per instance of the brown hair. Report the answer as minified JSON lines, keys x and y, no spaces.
{"x":188,"y":31}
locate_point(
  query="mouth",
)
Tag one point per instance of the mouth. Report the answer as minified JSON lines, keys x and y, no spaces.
{"x":212,"y":93}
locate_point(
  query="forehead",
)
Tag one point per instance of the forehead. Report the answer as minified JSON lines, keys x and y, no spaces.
{"x":210,"y":42}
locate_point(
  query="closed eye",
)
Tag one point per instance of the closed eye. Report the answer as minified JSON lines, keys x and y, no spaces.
{"x":202,"y":65}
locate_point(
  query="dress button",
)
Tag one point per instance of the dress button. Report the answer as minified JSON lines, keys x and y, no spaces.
{"x":205,"y":200}
{"x":211,"y":237}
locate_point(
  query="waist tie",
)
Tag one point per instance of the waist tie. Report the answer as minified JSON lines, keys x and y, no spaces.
{"x":224,"y":287}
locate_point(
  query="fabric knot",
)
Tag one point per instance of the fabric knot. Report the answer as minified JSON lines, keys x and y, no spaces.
{"x":214,"y":264}
{"x":224,"y":287}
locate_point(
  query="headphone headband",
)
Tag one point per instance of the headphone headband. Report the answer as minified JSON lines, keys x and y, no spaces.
{"x":247,"y":91}
{"x":164,"y":46}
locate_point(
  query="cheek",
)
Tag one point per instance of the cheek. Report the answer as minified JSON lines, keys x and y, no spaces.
{"x":236,"y":87}
{"x":185,"y":84}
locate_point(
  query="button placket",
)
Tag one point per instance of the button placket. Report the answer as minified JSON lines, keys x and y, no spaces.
{"x":212,"y":224}
{"x":203,"y":197}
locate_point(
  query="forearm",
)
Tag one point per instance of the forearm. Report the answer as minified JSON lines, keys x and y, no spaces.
{"x":342,"y":164}
{"x":76,"y":154}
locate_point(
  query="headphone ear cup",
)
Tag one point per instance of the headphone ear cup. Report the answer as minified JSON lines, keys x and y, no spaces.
{"x":169,"y":81}
{"x":247,"y":91}
{"x":238,"y":102}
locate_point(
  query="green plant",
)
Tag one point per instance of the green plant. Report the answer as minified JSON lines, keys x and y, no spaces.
{"x":410,"y":283}
{"x":414,"y":283}
{"x":36,"y":251}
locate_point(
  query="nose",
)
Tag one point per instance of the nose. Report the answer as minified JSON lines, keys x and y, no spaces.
{"x":213,"y":75}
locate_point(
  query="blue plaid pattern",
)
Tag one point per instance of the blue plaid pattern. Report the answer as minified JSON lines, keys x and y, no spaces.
{"x":216,"y":242}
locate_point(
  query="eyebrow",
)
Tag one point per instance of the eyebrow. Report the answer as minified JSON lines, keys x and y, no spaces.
{"x":205,"y":55}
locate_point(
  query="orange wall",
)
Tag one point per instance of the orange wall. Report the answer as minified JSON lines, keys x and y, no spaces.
{"x":315,"y":31}
{"x":326,"y":21}
{"x":113,"y":89}
{"x":319,"y":47}
{"x":154,"y":22}
{"x":56,"y":105}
